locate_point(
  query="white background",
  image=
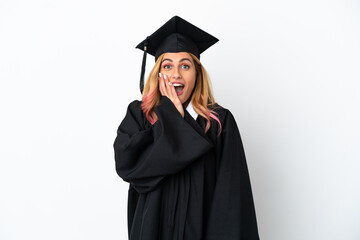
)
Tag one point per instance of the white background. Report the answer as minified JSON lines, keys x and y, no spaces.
{"x":287,"y":70}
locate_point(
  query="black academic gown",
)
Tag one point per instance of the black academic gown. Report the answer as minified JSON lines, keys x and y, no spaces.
{"x":183,"y":183}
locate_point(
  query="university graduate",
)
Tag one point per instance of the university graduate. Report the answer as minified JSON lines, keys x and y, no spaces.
{"x":180,"y":151}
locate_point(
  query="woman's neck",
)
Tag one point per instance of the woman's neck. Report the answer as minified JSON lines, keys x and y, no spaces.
{"x":186,"y":103}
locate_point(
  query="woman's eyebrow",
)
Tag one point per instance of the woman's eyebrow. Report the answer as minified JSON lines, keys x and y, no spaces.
{"x":170,"y":60}
{"x":166,"y":59}
{"x":184,"y":59}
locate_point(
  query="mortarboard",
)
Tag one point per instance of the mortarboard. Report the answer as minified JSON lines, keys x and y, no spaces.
{"x":176,"y":35}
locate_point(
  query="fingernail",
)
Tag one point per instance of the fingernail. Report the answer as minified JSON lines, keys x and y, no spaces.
{"x":165,"y":77}
{"x":159,"y":74}
{"x":170,"y":83}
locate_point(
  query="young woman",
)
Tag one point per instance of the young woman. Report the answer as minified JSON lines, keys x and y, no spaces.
{"x":180,"y":151}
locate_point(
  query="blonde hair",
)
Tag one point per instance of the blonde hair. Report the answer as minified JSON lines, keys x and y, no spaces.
{"x":201,"y":98}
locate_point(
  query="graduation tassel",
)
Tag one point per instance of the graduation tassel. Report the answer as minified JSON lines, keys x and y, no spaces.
{"x":143,"y":67}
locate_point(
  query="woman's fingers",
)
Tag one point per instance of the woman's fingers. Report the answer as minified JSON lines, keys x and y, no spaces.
{"x":168,"y":88}
{"x":162,"y":86}
{"x":173,"y":92}
{"x":174,"y":97}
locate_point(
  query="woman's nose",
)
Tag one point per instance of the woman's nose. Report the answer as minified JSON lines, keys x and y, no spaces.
{"x":176,"y":73}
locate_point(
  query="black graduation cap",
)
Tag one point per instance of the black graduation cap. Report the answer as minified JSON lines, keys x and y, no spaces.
{"x":176,"y":35}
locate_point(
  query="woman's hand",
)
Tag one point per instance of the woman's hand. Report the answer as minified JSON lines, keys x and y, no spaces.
{"x":168,"y":90}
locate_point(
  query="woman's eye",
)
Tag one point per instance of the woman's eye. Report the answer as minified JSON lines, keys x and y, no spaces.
{"x":185,"y":66}
{"x":167,"y":67}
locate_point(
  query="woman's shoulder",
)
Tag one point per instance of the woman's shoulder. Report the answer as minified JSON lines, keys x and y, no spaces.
{"x":135,"y":104}
{"x":221,"y":111}
{"x":134,"y":109}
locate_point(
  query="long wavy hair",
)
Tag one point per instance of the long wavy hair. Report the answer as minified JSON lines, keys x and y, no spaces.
{"x":201,"y":97}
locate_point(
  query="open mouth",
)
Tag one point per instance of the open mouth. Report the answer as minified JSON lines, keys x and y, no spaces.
{"x":178,"y":87}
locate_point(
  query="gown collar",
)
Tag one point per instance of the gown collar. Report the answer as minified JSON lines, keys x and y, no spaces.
{"x":191,"y":110}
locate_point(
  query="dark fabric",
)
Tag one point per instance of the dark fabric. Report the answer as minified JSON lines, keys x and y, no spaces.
{"x":175,"y":43}
{"x":189,"y":38}
{"x":183,"y":183}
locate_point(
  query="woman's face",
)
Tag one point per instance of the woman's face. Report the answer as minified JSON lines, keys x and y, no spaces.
{"x":181,"y":72}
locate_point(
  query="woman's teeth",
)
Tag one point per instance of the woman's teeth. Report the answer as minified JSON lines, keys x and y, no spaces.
{"x":178,"y":87}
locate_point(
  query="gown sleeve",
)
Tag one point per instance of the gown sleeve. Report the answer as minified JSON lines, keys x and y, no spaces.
{"x":232,"y":212}
{"x":145,"y":155}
